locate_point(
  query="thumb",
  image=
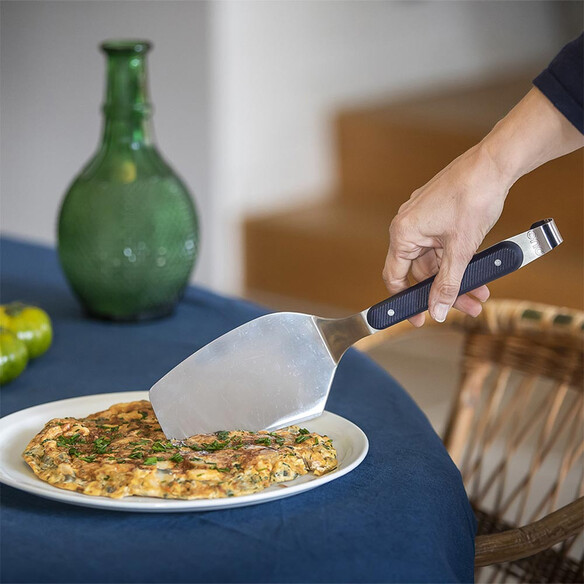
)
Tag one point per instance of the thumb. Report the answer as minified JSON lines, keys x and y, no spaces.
{"x":446,"y":286}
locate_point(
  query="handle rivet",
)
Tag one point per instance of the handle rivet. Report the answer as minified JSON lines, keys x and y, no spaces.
{"x":498,"y":262}
{"x":391,"y":312}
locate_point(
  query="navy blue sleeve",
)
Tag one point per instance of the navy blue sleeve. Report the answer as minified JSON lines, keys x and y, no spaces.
{"x":563,"y":82}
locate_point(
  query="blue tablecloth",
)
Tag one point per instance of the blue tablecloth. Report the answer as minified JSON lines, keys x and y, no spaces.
{"x":402,"y":516}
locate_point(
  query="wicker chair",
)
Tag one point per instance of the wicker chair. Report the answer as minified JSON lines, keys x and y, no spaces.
{"x":516,"y":432}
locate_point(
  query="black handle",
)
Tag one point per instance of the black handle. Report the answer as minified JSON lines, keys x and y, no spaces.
{"x":488,"y":265}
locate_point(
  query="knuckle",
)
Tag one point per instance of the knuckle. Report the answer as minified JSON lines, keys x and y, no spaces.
{"x":462,"y":254}
{"x":448,"y":290}
{"x":399,"y":227}
{"x":394,"y":227}
{"x":392,"y":283}
{"x":385,"y":276}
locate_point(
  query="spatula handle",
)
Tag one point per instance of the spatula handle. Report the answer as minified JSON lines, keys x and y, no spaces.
{"x":488,"y":265}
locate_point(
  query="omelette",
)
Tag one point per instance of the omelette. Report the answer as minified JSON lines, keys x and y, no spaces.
{"x":122,"y":451}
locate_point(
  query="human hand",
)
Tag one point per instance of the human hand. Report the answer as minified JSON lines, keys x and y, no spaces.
{"x":439,"y":229}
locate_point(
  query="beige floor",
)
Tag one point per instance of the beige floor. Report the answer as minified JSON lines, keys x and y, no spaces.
{"x":425,"y":362}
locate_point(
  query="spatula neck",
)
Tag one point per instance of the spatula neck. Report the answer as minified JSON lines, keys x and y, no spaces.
{"x":340,"y":333}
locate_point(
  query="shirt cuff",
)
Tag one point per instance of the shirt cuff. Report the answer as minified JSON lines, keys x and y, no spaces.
{"x":551,"y":87}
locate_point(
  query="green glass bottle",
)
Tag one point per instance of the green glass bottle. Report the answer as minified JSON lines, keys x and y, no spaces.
{"x":128,"y":228}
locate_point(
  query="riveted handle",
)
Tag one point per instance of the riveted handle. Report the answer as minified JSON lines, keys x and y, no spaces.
{"x":488,"y":265}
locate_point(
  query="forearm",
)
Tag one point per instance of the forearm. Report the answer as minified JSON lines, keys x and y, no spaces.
{"x":531,"y":134}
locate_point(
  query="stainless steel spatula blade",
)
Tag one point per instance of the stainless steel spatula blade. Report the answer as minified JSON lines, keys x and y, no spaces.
{"x":271,"y":372}
{"x":277,"y":370}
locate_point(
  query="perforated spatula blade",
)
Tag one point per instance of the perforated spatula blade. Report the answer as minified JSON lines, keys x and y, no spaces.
{"x":277,"y":370}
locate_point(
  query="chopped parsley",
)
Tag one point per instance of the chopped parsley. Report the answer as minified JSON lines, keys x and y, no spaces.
{"x":101,"y":444}
{"x":108,"y":427}
{"x":158,"y":446}
{"x":237,"y":443}
{"x":67,"y":441}
{"x":215,"y":445}
{"x":278,"y":439}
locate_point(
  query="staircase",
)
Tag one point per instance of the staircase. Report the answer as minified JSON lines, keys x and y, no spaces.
{"x":332,"y":252}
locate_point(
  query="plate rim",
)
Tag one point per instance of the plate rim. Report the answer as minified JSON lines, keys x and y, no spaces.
{"x":154,"y":504}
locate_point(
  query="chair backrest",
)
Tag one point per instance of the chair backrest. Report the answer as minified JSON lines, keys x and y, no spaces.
{"x":516,"y":430}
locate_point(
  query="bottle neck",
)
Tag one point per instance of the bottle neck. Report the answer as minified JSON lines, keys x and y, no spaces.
{"x":127,"y":110}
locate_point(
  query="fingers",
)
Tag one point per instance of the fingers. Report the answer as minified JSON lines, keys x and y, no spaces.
{"x":395,"y":272}
{"x":423,"y":267}
{"x":395,"y":276}
{"x":481,"y":293}
{"x":418,"y":320}
{"x":398,"y":262}
{"x":427,"y":266}
{"x":416,"y":247}
{"x":469,"y":305}
{"x":444,"y":291}
{"x":406,"y":244}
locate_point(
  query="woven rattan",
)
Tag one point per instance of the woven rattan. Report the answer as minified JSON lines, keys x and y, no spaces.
{"x":516,"y":431}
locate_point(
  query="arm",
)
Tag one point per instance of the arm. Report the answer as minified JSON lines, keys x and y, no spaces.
{"x":443,"y":223}
{"x":533,"y":133}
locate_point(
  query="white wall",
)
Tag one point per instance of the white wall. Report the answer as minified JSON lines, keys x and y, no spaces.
{"x":244,"y":92}
{"x":52,"y":87}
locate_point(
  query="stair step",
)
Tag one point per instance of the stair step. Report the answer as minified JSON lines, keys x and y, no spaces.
{"x":400,"y":145}
{"x":327,"y":253}
{"x":333,"y":254}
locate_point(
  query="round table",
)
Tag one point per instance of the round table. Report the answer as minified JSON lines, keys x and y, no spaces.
{"x":401,"y":516}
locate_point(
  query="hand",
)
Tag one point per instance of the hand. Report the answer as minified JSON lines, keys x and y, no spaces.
{"x":440,"y":228}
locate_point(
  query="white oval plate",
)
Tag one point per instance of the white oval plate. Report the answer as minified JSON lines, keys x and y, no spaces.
{"x":18,"y":429}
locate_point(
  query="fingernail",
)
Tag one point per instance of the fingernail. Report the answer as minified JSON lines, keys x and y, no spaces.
{"x":440,"y":311}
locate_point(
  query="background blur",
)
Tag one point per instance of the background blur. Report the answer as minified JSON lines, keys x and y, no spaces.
{"x":279,"y":116}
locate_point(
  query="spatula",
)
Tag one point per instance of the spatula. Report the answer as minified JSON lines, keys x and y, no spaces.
{"x":277,"y":370}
